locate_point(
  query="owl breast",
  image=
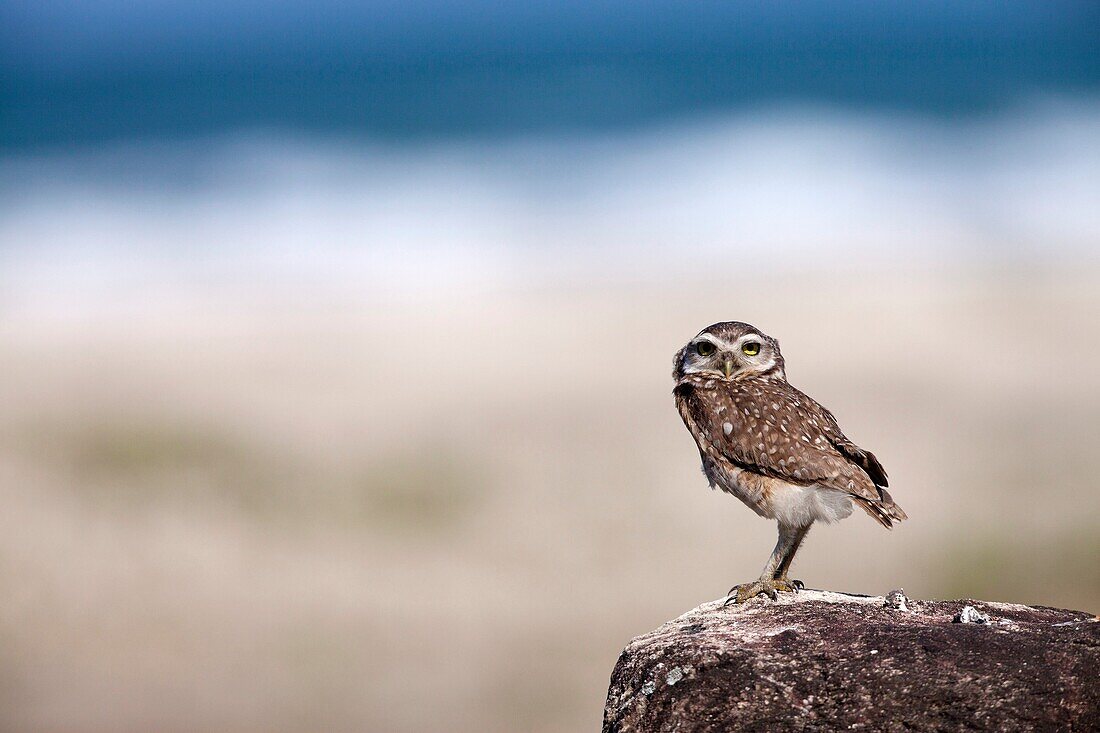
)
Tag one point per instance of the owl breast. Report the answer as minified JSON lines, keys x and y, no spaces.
{"x":751,"y":488}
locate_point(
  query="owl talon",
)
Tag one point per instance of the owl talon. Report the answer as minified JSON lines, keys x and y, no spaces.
{"x":767,"y":587}
{"x":796,"y":585}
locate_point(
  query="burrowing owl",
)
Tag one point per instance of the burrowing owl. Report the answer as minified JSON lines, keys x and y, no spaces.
{"x":770,"y":445}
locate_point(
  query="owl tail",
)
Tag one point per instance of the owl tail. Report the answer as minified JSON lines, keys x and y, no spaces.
{"x":884,"y":511}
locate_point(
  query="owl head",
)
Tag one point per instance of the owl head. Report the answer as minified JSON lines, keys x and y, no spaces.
{"x":730,"y":350}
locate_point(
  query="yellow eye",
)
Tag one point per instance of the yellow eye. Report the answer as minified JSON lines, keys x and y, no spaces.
{"x":751,"y":348}
{"x":704,"y":348}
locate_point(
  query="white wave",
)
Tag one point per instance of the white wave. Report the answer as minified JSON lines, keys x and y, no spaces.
{"x":774,"y":190}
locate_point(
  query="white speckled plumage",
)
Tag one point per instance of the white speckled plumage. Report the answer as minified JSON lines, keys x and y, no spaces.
{"x":770,"y":445}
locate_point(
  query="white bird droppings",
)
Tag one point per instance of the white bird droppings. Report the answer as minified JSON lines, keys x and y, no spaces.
{"x":971,"y":615}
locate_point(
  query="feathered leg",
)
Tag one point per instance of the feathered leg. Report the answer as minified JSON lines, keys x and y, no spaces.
{"x":785,"y":564}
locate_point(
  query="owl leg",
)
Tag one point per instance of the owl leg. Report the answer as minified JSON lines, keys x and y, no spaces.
{"x":799,"y":534}
{"x":773,"y":579}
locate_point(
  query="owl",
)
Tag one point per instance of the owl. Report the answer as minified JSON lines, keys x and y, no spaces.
{"x":771,"y":446}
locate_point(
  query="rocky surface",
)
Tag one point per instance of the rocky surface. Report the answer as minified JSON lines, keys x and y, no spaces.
{"x":821,"y":661}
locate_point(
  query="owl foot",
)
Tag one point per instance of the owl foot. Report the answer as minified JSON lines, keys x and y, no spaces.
{"x":796,"y":584}
{"x":770,"y":587}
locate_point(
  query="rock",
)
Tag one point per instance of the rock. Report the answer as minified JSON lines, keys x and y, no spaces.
{"x":971,"y":615}
{"x":822,"y":661}
{"x":896,"y":599}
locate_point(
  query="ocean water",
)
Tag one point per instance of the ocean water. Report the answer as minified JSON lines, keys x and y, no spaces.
{"x":395,"y":149}
{"x":78,"y":74}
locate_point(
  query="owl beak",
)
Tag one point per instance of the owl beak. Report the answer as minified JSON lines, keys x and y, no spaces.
{"x":727,"y":367}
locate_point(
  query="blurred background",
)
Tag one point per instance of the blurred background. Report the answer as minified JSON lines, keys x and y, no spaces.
{"x":336,"y":340}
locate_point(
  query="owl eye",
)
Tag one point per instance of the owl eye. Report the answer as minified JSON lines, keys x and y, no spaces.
{"x":751,"y":348}
{"x":704,"y":348}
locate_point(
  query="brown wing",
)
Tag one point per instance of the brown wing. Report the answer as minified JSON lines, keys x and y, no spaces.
{"x":771,"y":428}
{"x":862,"y":458}
{"x":884,"y":509}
